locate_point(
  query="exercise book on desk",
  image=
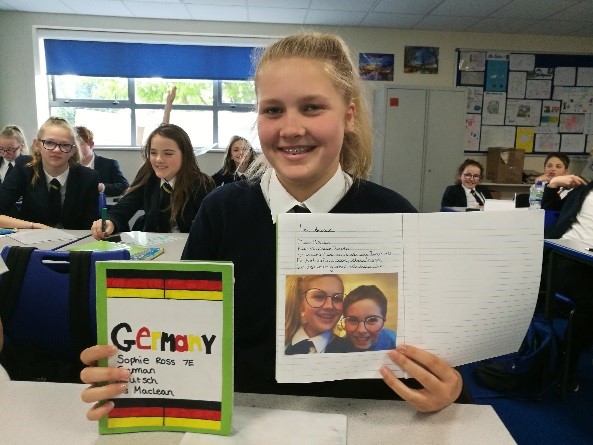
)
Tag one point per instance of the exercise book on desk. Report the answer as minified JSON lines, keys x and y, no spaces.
{"x":460,"y":285}
{"x":136,"y":252}
{"x":172,"y":323}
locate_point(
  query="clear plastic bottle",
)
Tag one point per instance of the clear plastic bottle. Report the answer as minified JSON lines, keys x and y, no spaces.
{"x":536,"y":193}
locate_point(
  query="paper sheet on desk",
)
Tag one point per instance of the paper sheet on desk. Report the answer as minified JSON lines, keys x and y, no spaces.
{"x":41,"y":236}
{"x":259,"y":426}
{"x":468,"y":282}
{"x":147,"y":239}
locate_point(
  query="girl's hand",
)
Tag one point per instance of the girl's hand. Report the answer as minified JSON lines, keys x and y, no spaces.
{"x":113,"y":377}
{"x":98,"y":233}
{"x":441,"y":384}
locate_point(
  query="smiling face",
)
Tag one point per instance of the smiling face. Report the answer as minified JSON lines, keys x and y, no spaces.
{"x":55,"y":162}
{"x":470,"y":176}
{"x":361,"y":338}
{"x":239,"y":151}
{"x":555,"y":167}
{"x":165,"y":157}
{"x":12,"y":145}
{"x":302,"y":119}
{"x":318,"y":320}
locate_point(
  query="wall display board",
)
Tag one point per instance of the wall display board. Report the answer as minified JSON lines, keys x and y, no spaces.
{"x":537,"y":102}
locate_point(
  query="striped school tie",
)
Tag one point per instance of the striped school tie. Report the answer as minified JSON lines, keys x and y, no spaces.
{"x":55,"y":202}
{"x":477,"y":197}
{"x":165,"y":208}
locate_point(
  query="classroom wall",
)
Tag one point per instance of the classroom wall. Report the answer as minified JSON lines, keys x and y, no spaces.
{"x":17,"y":80}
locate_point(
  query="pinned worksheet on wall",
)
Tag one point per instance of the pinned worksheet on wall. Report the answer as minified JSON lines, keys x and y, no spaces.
{"x":172,"y":323}
{"x":465,"y":286}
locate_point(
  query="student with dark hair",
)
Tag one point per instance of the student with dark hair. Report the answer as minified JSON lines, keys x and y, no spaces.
{"x":365,"y":313}
{"x":55,"y":189}
{"x":169,"y":187}
{"x":466,"y":192}
{"x":111,"y":180}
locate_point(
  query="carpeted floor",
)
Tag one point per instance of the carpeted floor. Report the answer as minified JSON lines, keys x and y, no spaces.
{"x":548,"y":421}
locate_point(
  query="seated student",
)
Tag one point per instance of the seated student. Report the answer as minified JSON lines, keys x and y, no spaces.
{"x":169,"y":187}
{"x":12,"y":145}
{"x":8,"y":222}
{"x":55,"y":189}
{"x":572,"y":278}
{"x":316,"y":136}
{"x":555,"y":164}
{"x":466,"y":192}
{"x":313,"y":307}
{"x":238,"y":157}
{"x":365,"y":311}
{"x":111,"y":180}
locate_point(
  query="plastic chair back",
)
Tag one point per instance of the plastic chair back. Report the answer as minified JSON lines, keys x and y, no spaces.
{"x":41,"y":316}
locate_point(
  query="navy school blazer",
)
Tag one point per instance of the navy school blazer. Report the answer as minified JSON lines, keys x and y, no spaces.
{"x":111,"y":175}
{"x":454,"y":195}
{"x":80,"y":207}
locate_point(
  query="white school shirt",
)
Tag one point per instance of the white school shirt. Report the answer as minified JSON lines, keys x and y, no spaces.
{"x":471,"y":201}
{"x":62,"y":179}
{"x":4,"y":169}
{"x":320,"y":342}
{"x":582,"y":228}
{"x":322,"y":201}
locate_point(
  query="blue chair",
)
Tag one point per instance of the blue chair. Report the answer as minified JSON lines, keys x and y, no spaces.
{"x":47,"y":316}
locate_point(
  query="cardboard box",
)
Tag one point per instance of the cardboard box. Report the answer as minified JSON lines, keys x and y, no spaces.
{"x":505,"y":165}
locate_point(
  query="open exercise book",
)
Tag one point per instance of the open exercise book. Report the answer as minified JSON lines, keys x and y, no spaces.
{"x":173,"y":325}
{"x":461,"y":285}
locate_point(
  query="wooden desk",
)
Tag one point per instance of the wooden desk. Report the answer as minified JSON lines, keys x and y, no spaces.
{"x":52,"y":413}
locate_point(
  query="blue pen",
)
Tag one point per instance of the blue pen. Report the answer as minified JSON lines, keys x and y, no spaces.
{"x":104,"y":219}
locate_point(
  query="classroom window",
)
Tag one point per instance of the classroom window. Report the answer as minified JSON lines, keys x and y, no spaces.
{"x":123,"y":111}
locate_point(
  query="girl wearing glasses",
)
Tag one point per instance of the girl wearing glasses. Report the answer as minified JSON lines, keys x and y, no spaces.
{"x":12,"y":145}
{"x":467,"y":192}
{"x":365,"y":311}
{"x":55,"y":189}
{"x":313,"y":307}
{"x":316,"y":137}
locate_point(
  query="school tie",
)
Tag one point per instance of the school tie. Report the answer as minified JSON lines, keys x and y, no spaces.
{"x":55,"y":202}
{"x":302,"y":347}
{"x":165,"y":208}
{"x":10,"y":167}
{"x":299,"y":209}
{"x":477,"y":197}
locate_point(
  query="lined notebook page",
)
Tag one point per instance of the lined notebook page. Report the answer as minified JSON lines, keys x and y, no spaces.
{"x":475,"y":278}
{"x":467,"y":282}
{"x":334,"y":244}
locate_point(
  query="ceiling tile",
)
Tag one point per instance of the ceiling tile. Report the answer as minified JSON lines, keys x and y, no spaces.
{"x":338,"y":18}
{"x":503,"y":26}
{"x":343,"y":5}
{"x":444,"y":23}
{"x":218,"y":13}
{"x":559,"y":27}
{"x":468,"y":8}
{"x":277,"y":15}
{"x":157,"y":10}
{"x":406,"y":6}
{"x":215,"y":2}
{"x":294,"y":4}
{"x":581,"y":12}
{"x":528,"y":9}
{"x":403,"y":21}
{"x":39,"y":6}
{"x":92,"y":7}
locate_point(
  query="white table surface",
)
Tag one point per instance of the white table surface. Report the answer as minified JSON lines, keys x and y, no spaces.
{"x":53,"y":413}
{"x":173,"y":249}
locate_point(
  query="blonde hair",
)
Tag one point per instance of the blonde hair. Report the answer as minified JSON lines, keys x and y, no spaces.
{"x":228,"y":165}
{"x":14,"y":132}
{"x":333,"y":53}
{"x":36,"y":163}
{"x":295,"y":285}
